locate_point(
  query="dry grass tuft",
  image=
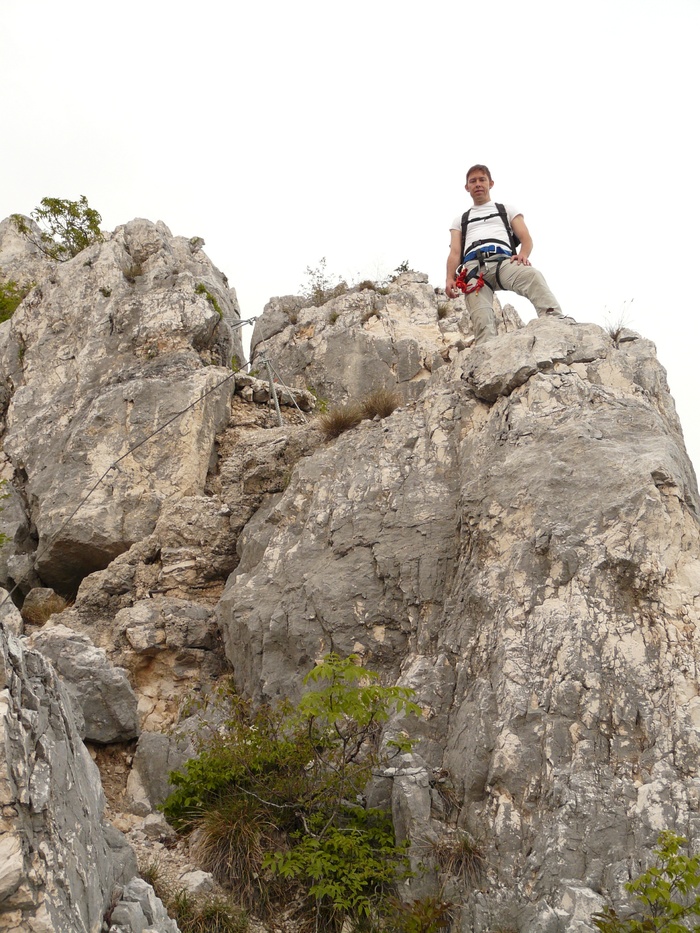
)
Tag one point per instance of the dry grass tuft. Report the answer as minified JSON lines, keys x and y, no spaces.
{"x":458,"y":856}
{"x":380,"y":403}
{"x":38,"y":609}
{"x":336,"y":421}
{"x":231,"y":843}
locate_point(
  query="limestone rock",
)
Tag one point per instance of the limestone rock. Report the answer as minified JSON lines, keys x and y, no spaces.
{"x":21,"y":260}
{"x":10,"y":617}
{"x":157,"y":755}
{"x":365,"y":339}
{"x":59,"y":862}
{"x":109,"y":347}
{"x":140,"y":911}
{"x":521,"y":544}
{"x":40,"y":603}
{"x":101,"y":691}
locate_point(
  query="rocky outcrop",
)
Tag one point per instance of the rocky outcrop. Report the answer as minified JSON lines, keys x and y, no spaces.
{"x":61,"y":864}
{"x":108,"y":348}
{"x":102,"y":696}
{"x":390,"y":337}
{"x":518,"y":542}
{"x":520,"y":545}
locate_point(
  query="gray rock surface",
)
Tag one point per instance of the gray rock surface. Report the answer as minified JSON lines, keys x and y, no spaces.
{"x":59,"y":861}
{"x":518,"y":542}
{"x":101,"y":692}
{"x":389,"y":337}
{"x":107,"y":348}
{"x":521,"y":545}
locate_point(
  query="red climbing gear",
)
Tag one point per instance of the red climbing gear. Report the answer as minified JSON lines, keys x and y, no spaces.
{"x":463,"y":278}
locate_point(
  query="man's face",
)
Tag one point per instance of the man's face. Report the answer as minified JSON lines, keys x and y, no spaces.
{"x":479,"y":186}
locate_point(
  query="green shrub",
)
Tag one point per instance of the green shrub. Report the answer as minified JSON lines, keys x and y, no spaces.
{"x":401,"y":268}
{"x":11,"y":296}
{"x":667,"y":893}
{"x":202,"y":289}
{"x":272,"y":797}
{"x":428,"y":914}
{"x":66,"y":227}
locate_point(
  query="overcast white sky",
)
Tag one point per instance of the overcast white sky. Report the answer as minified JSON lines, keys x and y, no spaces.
{"x":287,"y":132}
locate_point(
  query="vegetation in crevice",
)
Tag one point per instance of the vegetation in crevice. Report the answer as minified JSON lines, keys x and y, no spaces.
{"x":11,"y":296}
{"x":202,"y":289}
{"x":667,"y":893}
{"x":377,"y":404}
{"x":274,"y":803}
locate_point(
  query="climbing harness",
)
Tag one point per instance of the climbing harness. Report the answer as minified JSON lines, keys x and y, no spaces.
{"x":482,"y":256}
{"x":513,"y":242}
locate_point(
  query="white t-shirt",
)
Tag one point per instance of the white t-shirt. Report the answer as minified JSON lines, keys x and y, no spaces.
{"x":485,"y":223}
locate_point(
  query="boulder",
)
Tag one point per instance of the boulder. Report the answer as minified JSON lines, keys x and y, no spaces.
{"x":122,"y":347}
{"x":59,"y":859}
{"x":384,"y":337}
{"x":99,"y":690}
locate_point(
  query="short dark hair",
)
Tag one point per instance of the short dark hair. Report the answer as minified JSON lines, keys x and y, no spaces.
{"x":479,"y":168}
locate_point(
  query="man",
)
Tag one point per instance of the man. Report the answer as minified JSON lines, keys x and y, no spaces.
{"x":490,"y":261}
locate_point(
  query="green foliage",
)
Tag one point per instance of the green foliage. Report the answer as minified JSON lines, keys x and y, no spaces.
{"x":321,"y":285}
{"x":428,"y":914}
{"x":345,"y":868}
{"x":667,"y":893}
{"x":275,"y":792}
{"x":11,"y":296}
{"x":203,"y":290}
{"x":66,"y":227}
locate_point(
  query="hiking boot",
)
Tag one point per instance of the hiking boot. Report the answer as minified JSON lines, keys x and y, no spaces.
{"x":553,"y":313}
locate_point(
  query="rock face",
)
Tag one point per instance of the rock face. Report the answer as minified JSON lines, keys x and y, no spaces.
{"x":521,"y":546}
{"x":519,"y":543}
{"x":106,"y":349}
{"x":59,"y":861}
{"x":389,"y":337}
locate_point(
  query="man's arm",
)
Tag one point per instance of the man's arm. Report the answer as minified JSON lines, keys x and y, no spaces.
{"x":453,"y":260}
{"x":523,"y":234}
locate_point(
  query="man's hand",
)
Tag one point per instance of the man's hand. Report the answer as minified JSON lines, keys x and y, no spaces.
{"x":520,"y":259}
{"x":450,"y":289}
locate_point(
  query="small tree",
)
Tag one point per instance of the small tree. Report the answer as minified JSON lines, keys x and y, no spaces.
{"x":274,"y":798}
{"x":667,"y":893}
{"x":66,"y":227}
{"x":321,"y":285}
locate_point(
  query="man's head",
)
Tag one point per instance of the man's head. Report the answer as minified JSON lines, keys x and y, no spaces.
{"x":479,"y":184}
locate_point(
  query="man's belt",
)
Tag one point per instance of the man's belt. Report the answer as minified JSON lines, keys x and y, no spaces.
{"x":487,"y":248}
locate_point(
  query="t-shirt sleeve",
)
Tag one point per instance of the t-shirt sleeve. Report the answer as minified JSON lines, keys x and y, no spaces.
{"x":512,"y":211}
{"x":456,"y":223}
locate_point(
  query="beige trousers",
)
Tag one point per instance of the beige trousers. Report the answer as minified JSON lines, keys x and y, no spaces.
{"x":514,"y":277}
